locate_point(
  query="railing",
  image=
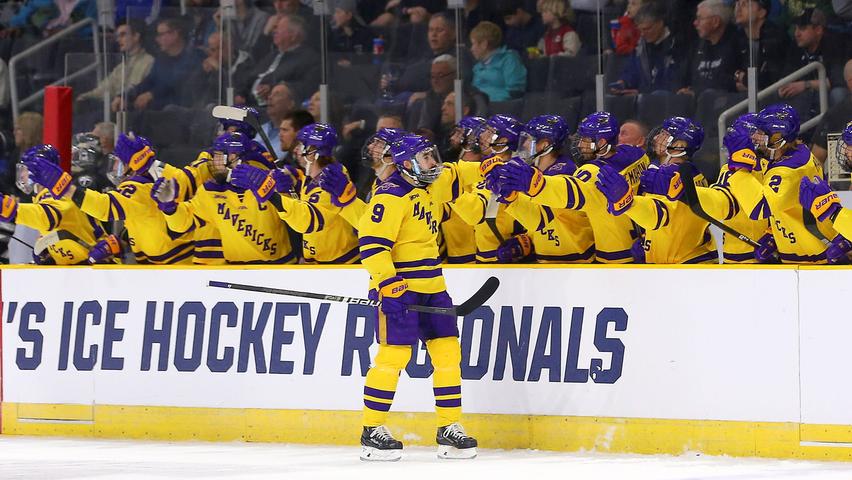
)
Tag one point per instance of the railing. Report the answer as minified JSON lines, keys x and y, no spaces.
{"x":770,"y":90}
{"x":17,"y":104}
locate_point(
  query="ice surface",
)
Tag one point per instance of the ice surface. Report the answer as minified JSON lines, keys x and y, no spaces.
{"x":65,"y":459}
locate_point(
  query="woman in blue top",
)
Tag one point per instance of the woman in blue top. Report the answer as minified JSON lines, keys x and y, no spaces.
{"x":499,"y":72}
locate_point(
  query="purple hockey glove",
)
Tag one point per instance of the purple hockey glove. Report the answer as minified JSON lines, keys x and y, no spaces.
{"x":517,"y":176}
{"x":334,"y":181}
{"x":104,"y":250}
{"x":818,"y":197}
{"x":8,"y":208}
{"x":638,"y":250}
{"x":767,"y":251}
{"x":740,"y":149}
{"x":663,"y":181}
{"x":396,"y":297}
{"x":164,"y":192}
{"x":515,"y":249}
{"x":616,"y":190}
{"x":49,"y":175}
{"x":262,"y":183}
{"x":837,"y":250}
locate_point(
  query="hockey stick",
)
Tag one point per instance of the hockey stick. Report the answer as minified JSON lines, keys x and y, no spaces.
{"x":491,"y":210}
{"x":477,"y":300}
{"x":811,"y":225}
{"x":691,"y":196}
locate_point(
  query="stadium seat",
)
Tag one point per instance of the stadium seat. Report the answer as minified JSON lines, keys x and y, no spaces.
{"x":710,"y":105}
{"x":653,"y":109}
{"x":540,"y":103}
{"x":538,"y":71}
{"x":572,"y":76}
{"x":622,"y":107}
{"x":707,"y":158}
{"x":512,"y":107}
{"x":613,"y":66}
{"x":354,"y":82}
{"x":165,"y":128}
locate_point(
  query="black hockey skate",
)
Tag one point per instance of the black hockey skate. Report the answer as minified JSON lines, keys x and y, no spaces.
{"x":377,"y":444}
{"x":454,"y":443}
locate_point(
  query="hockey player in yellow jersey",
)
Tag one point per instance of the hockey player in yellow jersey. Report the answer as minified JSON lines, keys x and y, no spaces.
{"x":375,"y":154}
{"x":777,"y":197}
{"x":251,"y":230}
{"x":458,"y":238}
{"x":824,"y":204}
{"x":398,"y":240}
{"x":598,"y":134}
{"x":559,"y":235}
{"x":74,"y":232}
{"x":673,"y":233}
{"x":327,"y":237}
{"x":720,"y":199}
{"x":149,"y":237}
{"x":493,"y":227}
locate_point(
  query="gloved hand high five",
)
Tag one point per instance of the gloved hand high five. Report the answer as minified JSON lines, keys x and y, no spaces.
{"x":164,"y":192}
{"x":262,"y":183}
{"x":664,"y":180}
{"x":737,"y":141}
{"x":616,"y":190}
{"x":49,"y":175}
{"x":334,"y":181}
{"x":819,"y":198}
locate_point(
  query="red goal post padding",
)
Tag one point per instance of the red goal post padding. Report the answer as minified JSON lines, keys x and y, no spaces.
{"x":58,"y":105}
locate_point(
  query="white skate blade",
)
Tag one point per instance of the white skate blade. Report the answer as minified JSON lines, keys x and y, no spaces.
{"x":452,"y":453}
{"x":370,"y":454}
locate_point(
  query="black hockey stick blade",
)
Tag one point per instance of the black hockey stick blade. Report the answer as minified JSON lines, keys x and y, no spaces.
{"x":690,"y":195}
{"x":811,"y":225}
{"x":480,"y":297}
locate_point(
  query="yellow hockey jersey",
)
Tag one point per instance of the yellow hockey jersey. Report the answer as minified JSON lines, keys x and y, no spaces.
{"x":398,"y":233}
{"x":457,"y":237}
{"x":613,"y":236}
{"x":720,"y":202}
{"x":673,"y":234}
{"x":208,"y":242}
{"x":47,"y":214}
{"x":777,"y":198}
{"x":251,"y":232}
{"x":559,"y":235}
{"x":148,"y":234}
{"x":327,"y":237}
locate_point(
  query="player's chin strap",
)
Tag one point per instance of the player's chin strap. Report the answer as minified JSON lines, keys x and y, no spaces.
{"x":774,"y":150}
{"x":599,"y":152}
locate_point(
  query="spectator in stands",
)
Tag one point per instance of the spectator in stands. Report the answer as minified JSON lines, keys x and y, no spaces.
{"x":835,"y":119}
{"x":450,"y":152}
{"x":442,"y":41}
{"x":290,"y":125}
{"x":625,"y":35}
{"x":292,"y":62}
{"x":164,"y":85}
{"x":348,"y":32}
{"x":476,"y":11}
{"x":633,"y":132}
{"x":27,"y":132}
{"x":248,"y":25}
{"x":560,"y":37}
{"x":523,"y":28}
{"x":280,"y":103}
{"x":137,"y":63}
{"x":424,"y":108}
{"x":814,"y":44}
{"x":715,"y":61}
{"x":203,"y":19}
{"x":209,"y":83}
{"x":289,"y":7}
{"x":47,"y":17}
{"x":768,"y":40}
{"x":105,"y":131}
{"x":499,"y":72}
{"x":657,"y":62}
{"x":145,"y":11}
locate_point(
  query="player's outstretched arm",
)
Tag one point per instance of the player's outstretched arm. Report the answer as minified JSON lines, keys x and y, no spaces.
{"x":649,"y":213}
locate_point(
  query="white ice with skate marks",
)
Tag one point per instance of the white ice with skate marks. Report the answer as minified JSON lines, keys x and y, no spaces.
{"x":59,"y":458}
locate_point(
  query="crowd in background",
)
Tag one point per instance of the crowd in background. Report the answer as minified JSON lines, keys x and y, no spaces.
{"x":691,"y":52}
